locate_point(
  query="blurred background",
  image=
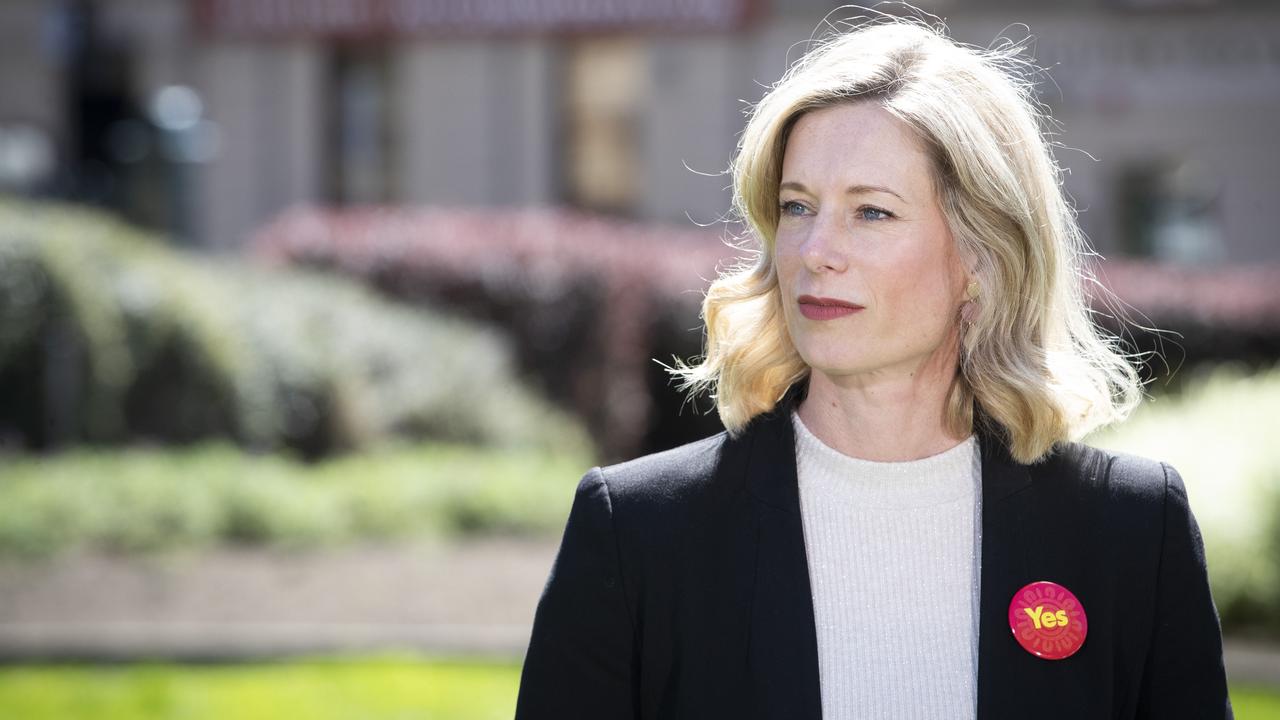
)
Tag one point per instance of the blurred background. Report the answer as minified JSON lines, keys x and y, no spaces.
{"x":313,"y":313}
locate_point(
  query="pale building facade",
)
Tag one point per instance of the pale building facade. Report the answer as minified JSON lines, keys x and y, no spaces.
{"x":1168,"y":109}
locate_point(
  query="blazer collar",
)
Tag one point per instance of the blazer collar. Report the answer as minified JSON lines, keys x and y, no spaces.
{"x":771,"y":468}
{"x":783,"y":648}
{"x":782,"y":656}
{"x":771,"y":471}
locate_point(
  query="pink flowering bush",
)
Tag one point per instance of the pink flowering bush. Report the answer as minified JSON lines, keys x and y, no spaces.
{"x":593,"y":302}
{"x":590,"y":302}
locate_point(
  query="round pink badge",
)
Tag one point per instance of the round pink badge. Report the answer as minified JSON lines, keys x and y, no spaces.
{"x":1048,"y":620}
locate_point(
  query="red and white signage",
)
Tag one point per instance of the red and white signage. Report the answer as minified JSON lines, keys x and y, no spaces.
{"x":392,"y":18}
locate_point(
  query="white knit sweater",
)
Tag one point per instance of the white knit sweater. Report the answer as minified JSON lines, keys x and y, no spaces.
{"x":894,"y":562}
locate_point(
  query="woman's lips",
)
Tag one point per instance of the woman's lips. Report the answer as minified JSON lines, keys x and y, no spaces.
{"x":820,"y":308}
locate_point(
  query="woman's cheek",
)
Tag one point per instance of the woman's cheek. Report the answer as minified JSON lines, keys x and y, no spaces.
{"x":784,"y":259}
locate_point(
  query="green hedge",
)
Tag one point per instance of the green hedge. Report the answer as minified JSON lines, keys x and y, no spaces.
{"x":1220,"y":435}
{"x":109,"y":335}
{"x":151,"y":500}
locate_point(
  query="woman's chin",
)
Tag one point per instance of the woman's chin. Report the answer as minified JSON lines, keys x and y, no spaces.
{"x":835,"y":364}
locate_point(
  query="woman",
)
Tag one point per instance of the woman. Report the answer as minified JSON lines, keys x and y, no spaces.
{"x":897,"y":522}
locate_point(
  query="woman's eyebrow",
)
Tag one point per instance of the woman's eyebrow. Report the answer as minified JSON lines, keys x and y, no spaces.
{"x":852,"y":189}
{"x":859,"y":189}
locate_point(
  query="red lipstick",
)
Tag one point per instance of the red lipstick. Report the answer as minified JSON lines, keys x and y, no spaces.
{"x":822,"y":308}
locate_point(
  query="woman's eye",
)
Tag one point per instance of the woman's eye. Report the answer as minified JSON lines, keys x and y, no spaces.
{"x":792,"y":208}
{"x":874,"y":213}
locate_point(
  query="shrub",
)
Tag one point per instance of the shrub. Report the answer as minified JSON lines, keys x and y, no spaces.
{"x":591,"y":302}
{"x":1184,"y":316}
{"x":141,"y":500}
{"x":1219,"y":434}
{"x":107,"y":335}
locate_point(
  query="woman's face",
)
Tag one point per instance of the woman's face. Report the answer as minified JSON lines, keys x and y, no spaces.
{"x":861,"y":226}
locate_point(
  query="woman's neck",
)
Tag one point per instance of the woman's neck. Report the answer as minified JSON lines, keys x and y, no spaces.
{"x":883,"y":418}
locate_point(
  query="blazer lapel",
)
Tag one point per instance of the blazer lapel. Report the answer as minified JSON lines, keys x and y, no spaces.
{"x":783,"y":648}
{"x":1005,"y":569}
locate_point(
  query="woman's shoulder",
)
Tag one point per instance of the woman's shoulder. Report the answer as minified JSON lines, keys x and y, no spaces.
{"x":654,"y":501}
{"x":669,"y":476}
{"x":1114,"y":475}
{"x":1133,"y":508}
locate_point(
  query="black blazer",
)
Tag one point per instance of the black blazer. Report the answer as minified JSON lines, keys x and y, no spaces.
{"x":681,"y":589}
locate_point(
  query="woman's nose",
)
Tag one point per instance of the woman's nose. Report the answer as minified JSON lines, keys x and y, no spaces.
{"x":824,"y":248}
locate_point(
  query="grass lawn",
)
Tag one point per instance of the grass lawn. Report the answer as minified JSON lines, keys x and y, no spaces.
{"x":1256,"y":703}
{"x":367,"y":688}
{"x":379,"y":688}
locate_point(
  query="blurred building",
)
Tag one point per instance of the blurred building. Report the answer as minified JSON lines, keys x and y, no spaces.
{"x":208,"y":117}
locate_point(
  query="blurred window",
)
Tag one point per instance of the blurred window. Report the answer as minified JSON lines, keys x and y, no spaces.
{"x":1170,"y":212}
{"x":27,"y":157}
{"x":1166,"y":4}
{"x":360,"y":134}
{"x":605,"y":90}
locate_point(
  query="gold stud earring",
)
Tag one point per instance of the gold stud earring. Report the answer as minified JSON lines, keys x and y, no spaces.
{"x":973,"y":290}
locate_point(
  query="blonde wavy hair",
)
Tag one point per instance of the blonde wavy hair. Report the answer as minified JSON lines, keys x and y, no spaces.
{"x":1032,"y":363}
